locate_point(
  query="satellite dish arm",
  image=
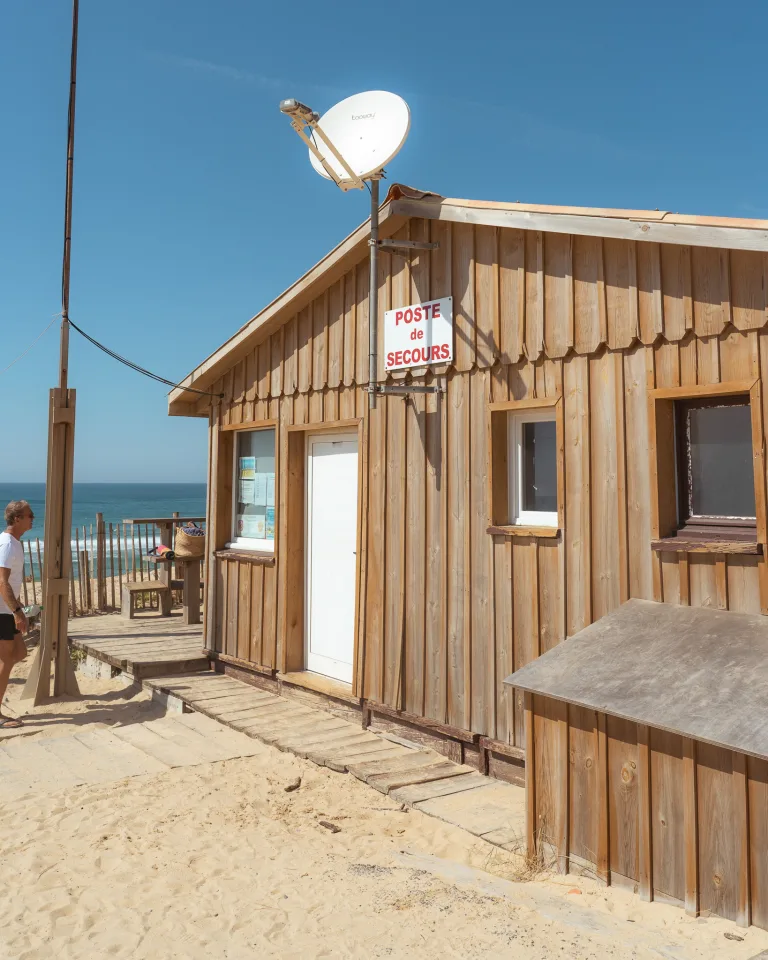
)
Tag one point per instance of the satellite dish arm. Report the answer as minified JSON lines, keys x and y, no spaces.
{"x":298,"y":124}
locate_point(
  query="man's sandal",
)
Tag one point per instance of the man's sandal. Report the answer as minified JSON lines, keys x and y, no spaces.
{"x":10,"y":723}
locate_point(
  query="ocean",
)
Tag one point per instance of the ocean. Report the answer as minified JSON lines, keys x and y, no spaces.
{"x":117,"y":501}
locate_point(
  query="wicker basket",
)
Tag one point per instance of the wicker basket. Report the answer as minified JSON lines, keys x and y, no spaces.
{"x":188,"y":546}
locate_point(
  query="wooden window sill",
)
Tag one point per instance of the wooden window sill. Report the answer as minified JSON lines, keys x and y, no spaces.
{"x":320,"y":684}
{"x":683,"y":545}
{"x":512,"y":530}
{"x":247,"y":556}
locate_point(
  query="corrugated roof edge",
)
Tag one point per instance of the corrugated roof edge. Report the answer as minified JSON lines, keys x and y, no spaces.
{"x":403,"y":202}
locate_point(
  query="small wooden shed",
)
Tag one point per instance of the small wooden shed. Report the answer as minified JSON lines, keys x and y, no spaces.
{"x":600,"y":438}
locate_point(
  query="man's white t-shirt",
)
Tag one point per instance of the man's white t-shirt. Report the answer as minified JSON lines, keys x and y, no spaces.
{"x":12,"y":557}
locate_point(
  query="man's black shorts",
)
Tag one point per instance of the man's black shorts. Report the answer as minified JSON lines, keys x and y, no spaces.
{"x":8,"y":628}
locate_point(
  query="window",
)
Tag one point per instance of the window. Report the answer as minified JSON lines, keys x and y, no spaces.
{"x":706,"y":446}
{"x":533,"y":468}
{"x":526,"y":467}
{"x":253,"y":496}
{"x":714,"y":465}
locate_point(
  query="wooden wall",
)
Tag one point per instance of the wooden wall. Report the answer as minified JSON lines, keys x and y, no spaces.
{"x":447,"y":611}
{"x":682,"y":819}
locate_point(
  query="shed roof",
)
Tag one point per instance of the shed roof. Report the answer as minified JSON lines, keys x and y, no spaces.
{"x":403,"y":203}
{"x":694,"y":671}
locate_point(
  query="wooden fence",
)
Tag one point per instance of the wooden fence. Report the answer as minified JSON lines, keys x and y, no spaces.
{"x":104,"y":557}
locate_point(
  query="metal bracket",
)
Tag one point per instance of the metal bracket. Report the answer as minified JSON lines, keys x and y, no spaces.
{"x":406,"y":388}
{"x":395,"y":245}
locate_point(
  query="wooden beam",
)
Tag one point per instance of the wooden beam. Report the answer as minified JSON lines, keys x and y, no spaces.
{"x":530,"y":781}
{"x":645,"y":837}
{"x":691,"y":828}
{"x":603,"y":818}
{"x":531,"y":403}
{"x":703,"y":390}
{"x":741,"y":825}
{"x":622,"y":225}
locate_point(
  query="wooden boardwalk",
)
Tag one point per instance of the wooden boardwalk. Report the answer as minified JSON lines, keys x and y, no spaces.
{"x":147,"y":646}
{"x":418,"y":778}
{"x":105,"y":754}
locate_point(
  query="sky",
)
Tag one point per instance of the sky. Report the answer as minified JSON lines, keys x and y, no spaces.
{"x":195,"y":204}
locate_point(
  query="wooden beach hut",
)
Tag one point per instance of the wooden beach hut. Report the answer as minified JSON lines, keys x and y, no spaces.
{"x":597,"y":437}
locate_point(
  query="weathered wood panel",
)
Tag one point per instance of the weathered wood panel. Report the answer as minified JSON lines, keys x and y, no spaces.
{"x":701,"y":810}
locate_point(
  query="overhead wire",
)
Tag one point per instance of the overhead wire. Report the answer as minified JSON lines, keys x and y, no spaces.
{"x":54,"y":318}
{"x":137,"y":367}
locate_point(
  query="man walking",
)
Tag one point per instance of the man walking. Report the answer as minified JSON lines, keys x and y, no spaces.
{"x":13,"y":622}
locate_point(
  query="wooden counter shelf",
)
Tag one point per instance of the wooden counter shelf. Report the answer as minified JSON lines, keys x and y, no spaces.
{"x":683,"y":545}
{"x":512,"y":530}
{"x":247,"y":556}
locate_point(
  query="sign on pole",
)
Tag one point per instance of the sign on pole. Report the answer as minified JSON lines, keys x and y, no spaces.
{"x":419,"y":335}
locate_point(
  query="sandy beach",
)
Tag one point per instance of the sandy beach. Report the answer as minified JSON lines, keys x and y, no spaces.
{"x":219,"y":861}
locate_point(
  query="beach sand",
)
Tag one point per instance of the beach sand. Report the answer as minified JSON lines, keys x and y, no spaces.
{"x":218,"y":861}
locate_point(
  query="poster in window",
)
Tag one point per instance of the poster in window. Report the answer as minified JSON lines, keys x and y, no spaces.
{"x":270,"y":489}
{"x":247,"y":468}
{"x":270,"y":524}
{"x":247,"y":493}
{"x":252,"y":526}
{"x":260,"y":490}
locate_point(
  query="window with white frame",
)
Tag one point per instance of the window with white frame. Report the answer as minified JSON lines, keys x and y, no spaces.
{"x":253,"y":496}
{"x":532,"y":464}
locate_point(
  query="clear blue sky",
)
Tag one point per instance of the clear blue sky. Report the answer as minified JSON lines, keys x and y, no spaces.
{"x":195,"y":203}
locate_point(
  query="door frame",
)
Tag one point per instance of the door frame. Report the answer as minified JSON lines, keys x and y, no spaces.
{"x":292,"y":562}
{"x":327,"y":437}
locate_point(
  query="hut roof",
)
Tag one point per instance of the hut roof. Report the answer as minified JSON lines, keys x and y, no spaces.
{"x":403,"y":203}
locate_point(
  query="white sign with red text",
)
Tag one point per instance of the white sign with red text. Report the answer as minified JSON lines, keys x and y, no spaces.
{"x":419,"y":335}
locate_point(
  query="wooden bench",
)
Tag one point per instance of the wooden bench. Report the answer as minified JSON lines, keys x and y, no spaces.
{"x":132,"y":590}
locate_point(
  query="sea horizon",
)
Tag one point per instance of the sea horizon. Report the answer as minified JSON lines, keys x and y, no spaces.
{"x":117,"y":501}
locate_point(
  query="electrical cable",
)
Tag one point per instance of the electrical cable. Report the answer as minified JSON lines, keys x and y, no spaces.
{"x":38,"y":337}
{"x":137,"y":368}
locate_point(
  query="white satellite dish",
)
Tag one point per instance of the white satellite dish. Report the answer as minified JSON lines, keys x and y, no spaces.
{"x":368,"y":130}
{"x":350,"y":144}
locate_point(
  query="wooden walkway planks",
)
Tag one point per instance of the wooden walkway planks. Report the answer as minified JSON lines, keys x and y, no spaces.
{"x":418,"y":778}
{"x":147,"y":646}
{"x":101,"y":754}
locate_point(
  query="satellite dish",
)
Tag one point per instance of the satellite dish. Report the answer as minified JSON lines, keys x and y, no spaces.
{"x":367,"y":130}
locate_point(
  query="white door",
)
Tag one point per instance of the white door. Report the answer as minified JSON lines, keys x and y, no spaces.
{"x":331,"y":559}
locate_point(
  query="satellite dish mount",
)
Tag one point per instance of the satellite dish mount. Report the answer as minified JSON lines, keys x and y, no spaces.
{"x":350,"y":145}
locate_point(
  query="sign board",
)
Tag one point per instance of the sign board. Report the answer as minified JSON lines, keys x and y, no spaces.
{"x":419,"y":335}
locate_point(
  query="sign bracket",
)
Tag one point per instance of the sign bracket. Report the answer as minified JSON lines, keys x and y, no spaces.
{"x":407,"y":245}
{"x":402,"y":390}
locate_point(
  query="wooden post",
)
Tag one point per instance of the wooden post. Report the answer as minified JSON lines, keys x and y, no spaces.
{"x":691,"y":826}
{"x":71,"y":578}
{"x":88,"y":590}
{"x":79,"y":567}
{"x":645,"y":817}
{"x":32,"y":572}
{"x":111,"y":568}
{"x":191,"y":591}
{"x":119,"y":564}
{"x":53,"y":646}
{"x":101,"y":563}
{"x":530,"y":781}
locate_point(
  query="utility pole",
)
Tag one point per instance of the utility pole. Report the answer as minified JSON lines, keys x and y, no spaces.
{"x":57,"y":560}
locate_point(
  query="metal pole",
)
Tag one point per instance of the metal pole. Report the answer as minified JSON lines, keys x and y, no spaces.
{"x":64,"y":343}
{"x":373,"y":294}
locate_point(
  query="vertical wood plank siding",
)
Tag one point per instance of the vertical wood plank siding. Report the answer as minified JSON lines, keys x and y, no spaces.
{"x":448,"y":610}
{"x":686,"y":821}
